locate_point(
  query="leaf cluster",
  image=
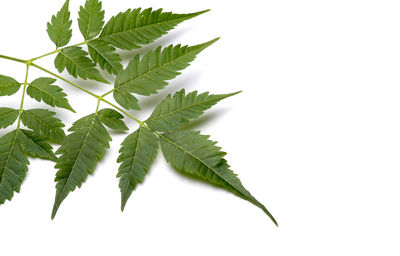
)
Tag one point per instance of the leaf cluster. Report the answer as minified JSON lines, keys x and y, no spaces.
{"x":189,"y":152}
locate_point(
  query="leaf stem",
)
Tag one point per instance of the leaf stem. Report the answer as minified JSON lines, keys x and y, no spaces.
{"x":13,"y":59}
{"x":110,"y":91}
{"x":56,"y":51}
{"x":21,"y":106}
{"x":98,"y":97}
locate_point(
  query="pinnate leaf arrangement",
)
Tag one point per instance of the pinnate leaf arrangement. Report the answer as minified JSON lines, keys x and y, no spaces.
{"x":189,"y":152}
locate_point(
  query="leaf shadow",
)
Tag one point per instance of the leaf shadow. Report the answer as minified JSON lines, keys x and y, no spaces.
{"x":206,"y":118}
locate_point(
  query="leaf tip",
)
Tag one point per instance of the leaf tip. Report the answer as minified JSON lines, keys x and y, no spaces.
{"x":53,"y":213}
{"x":123,"y":204}
{"x":200,"y":12}
{"x":235,"y":93}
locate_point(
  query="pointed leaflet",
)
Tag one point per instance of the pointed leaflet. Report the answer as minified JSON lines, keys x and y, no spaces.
{"x":112,"y":119}
{"x":35,"y":146}
{"x":7,"y":116}
{"x":91,"y":19}
{"x":173,"y":113}
{"x":43,"y":122}
{"x":126,"y":100}
{"x":137,"y":153}
{"x":148,"y":75}
{"x":77,"y":64}
{"x":133,"y":28}
{"x":14,"y":147}
{"x":105,"y":55}
{"x":44,"y":89}
{"x":81,"y":151}
{"x":13,"y":166}
{"x":8,"y":85}
{"x":59,"y":29}
{"x":193,"y":154}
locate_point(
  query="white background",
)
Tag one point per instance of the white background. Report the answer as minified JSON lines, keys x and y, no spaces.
{"x":315,"y":136}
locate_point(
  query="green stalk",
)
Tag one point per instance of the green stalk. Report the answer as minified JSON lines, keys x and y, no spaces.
{"x":98,"y":97}
{"x":21,"y":106}
{"x":12,"y":58}
{"x":56,"y":51}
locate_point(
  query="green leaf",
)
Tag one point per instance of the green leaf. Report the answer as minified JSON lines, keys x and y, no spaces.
{"x":77,"y":64}
{"x":59,"y":29}
{"x":133,"y":28}
{"x":173,"y":113}
{"x":8,"y":117}
{"x":43,"y":122}
{"x":34,"y":145}
{"x":8,"y":85}
{"x":81,"y":151}
{"x":137,"y":153}
{"x":194,"y":154}
{"x":148,"y":75}
{"x":105,"y":55}
{"x":44,"y":89}
{"x":91,"y":19}
{"x":112,"y":119}
{"x":13,"y":166}
{"x":126,"y":100}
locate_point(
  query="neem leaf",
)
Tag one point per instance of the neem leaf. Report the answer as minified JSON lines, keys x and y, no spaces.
{"x":44,"y":89}
{"x":104,"y":54}
{"x":133,"y":28}
{"x":149,"y":74}
{"x":7,"y":116}
{"x":126,"y":100}
{"x":8,"y":85}
{"x":194,"y":154}
{"x":137,"y":153}
{"x":34,"y":145}
{"x":91,"y":19}
{"x":59,"y":29}
{"x":13,"y":166}
{"x":43,"y":122}
{"x":77,"y":64}
{"x":173,"y":113}
{"x":80,"y":152}
{"x":112,"y":119}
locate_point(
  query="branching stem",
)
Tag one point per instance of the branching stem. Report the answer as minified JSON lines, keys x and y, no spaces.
{"x":56,"y":51}
{"x":99,"y":98}
{"x":21,"y":106}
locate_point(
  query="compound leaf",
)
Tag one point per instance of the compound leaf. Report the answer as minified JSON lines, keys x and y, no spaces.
{"x":59,"y":29}
{"x":43,"y":122}
{"x":8,"y":85}
{"x":7,"y":116}
{"x":133,"y":28}
{"x":44,"y":89}
{"x":13,"y":166}
{"x":35,"y":146}
{"x":75,"y":60}
{"x":137,"y":153}
{"x":112,"y":119}
{"x":81,"y":151}
{"x":149,"y":74}
{"x":126,"y":100}
{"x":194,"y":154}
{"x":91,"y":19}
{"x":173,"y":113}
{"x":104,"y":54}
